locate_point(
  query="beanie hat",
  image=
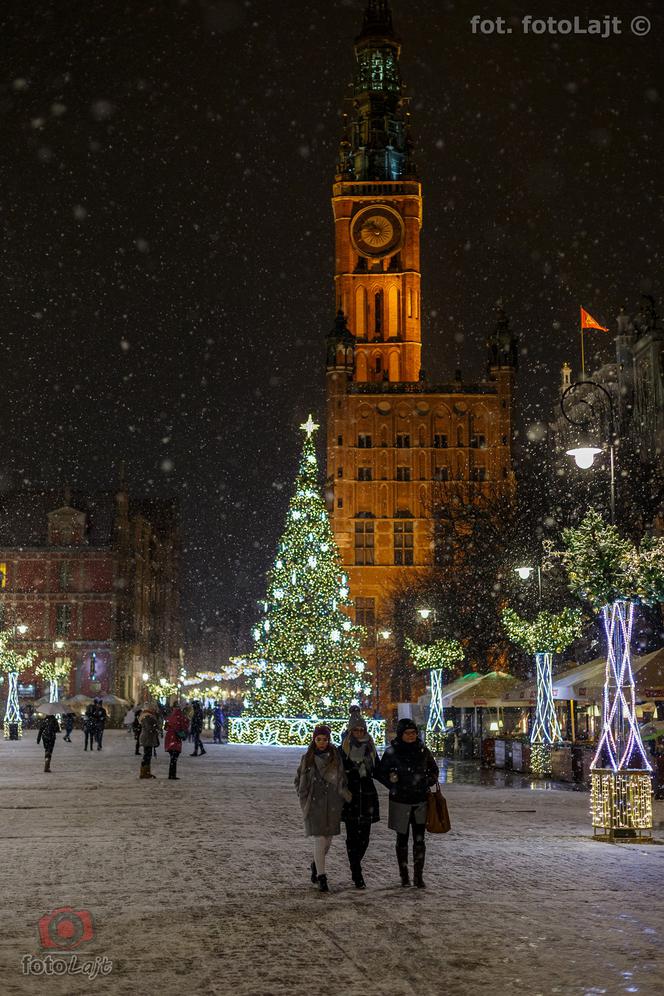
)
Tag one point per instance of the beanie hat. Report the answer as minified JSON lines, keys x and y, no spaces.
{"x":403,"y":725}
{"x":356,"y":719}
{"x":322,"y":731}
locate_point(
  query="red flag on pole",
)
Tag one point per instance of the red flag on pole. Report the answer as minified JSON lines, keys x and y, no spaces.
{"x":588,"y":322}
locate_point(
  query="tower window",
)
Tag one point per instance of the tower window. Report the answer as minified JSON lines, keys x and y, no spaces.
{"x":478,"y":474}
{"x":340,"y":440}
{"x":340,"y":472}
{"x":478,"y":441}
{"x":403,"y":473}
{"x":440,"y":440}
{"x":441,"y":474}
{"x":378,"y":305}
{"x":364,"y":441}
{"x":403,"y":441}
{"x":65,"y":575}
{"x":379,"y":364}
{"x":364,"y":542}
{"x":404,"y":541}
{"x":340,"y":503}
{"x":364,"y":474}
{"x":459,"y":436}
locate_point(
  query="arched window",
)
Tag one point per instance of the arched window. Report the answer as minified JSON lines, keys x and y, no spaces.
{"x":393,"y":312}
{"x":378,"y":310}
{"x":360,"y":312}
{"x":394,"y":366}
{"x":361,"y":367}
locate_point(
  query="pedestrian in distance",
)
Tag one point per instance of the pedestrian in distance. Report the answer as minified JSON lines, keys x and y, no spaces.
{"x":359,"y":756}
{"x":101,"y":717}
{"x":219,"y":720}
{"x":48,"y":730}
{"x":408,"y":770}
{"x":68,"y":721}
{"x":322,"y":789}
{"x":149,"y":739}
{"x":89,"y":727}
{"x":136,"y":730}
{"x":177,"y":728}
{"x":197,"y":728}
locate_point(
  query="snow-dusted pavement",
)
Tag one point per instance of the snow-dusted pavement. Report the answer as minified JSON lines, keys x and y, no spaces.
{"x":201,"y":886}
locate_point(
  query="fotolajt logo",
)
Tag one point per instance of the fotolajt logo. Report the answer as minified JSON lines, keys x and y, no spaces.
{"x":60,"y":932}
{"x":65,"y":929}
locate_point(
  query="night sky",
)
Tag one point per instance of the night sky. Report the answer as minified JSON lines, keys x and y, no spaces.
{"x":167,"y":233}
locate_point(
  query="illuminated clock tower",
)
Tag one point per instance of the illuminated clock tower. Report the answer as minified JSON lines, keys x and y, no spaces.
{"x":394,"y":441}
{"x":377,"y":203}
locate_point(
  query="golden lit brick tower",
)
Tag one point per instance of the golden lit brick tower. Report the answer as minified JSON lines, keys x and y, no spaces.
{"x":391,"y":437}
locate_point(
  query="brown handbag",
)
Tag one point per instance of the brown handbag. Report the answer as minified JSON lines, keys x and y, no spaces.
{"x":438,"y":818}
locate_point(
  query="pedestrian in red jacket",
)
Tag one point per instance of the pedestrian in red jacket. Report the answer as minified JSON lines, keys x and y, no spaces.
{"x":177,"y":728}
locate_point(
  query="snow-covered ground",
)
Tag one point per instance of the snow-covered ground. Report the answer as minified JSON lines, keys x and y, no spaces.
{"x":201,"y":886}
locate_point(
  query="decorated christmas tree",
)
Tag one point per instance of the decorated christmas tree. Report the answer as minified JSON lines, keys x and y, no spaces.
{"x":306,"y":646}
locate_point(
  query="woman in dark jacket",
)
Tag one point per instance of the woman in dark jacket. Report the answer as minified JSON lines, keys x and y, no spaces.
{"x":149,"y":740}
{"x":48,"y":730}
{"x":359,"y":756}
{"x":408,"y":770}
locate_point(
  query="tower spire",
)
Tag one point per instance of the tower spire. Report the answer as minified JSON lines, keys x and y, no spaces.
{"x":376,"y":144}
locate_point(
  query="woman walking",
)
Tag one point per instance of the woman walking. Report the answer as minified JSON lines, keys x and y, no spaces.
{"x":359,"y":756}
{"x":177,"y":727}
{"x":408,"y":770}
{"x":149,"y":740}
{"x":321,"y":787}
{"x":48,"y":730}
{"x":68,"y":720}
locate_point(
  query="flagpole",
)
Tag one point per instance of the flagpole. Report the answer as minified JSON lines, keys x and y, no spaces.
{"x":583,"y":358}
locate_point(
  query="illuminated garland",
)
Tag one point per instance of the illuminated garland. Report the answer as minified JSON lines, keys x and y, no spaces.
{"x":307,"y":649}
{"x":548,"y":633}
{"x":12,"y":663}
{"x":161,"y":688}
{"x":288,"y":731}
{"x":443,"y":653}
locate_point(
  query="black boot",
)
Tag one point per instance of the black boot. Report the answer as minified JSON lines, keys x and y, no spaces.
{"x":203,"y":751}
{"x":359,"y":880}
{"x":314,"y":874}
{"x":322,"y":883}
{"x":402,"y":858}
{"x":195,"y":754}
{"x":419,"y":852}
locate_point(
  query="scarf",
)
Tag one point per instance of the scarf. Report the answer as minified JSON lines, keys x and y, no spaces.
{"x":361,"y":753}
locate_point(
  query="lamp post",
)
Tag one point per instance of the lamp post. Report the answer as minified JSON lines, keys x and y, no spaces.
{"x":585,"y":450}
{"x":384,"y":634}
{"x":525,"y":575}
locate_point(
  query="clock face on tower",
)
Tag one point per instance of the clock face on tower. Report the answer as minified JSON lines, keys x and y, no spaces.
{"x":377,"y":231}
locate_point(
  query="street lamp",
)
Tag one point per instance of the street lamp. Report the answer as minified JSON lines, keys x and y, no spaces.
{"x":525,"y":573}
{"x":385,"y":634}
{"x":585,"y":451}
{"x":425,"y":613}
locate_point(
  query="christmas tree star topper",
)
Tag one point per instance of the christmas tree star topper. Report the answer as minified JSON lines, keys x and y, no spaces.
{"x":309,"y":427}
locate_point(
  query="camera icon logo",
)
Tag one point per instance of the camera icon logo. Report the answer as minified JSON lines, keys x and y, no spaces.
{"x":65,"y":929}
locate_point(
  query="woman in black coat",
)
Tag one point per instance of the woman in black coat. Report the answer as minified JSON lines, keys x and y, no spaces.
{"x":48,"y":730}
{"x":358,"y":752}
{"x":408,"y":770}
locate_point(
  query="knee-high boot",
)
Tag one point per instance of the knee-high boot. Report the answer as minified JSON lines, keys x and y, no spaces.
{"x":402,"y":859}
{"x":419,"y":853}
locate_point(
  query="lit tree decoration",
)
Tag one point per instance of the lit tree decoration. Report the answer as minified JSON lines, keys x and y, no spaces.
{"x":435,"y":658}
{"x":610,"y":573}
{"x":546,"y":635}
{"x":161,"y":688}
{"x":306,"y":646}
{"x":12,"y":663}
{"x":54,"y":671}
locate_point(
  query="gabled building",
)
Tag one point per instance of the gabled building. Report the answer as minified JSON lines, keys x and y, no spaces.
{"x":99,"y":573}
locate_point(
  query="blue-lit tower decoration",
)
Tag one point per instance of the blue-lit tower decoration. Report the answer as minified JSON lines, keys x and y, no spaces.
{"x":546,"y":635}
{"x":613,"y":575}
{"x":306,"y":646}
{"x":436,"y":658}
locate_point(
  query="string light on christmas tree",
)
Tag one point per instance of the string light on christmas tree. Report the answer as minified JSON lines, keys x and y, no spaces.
{"x":309,"y":645}
{"x":54,"y":671}
{"x":545,"y":636}
{"x":435,"y":657}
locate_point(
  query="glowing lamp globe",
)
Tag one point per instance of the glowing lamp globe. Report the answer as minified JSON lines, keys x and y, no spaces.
{"x":523,"y":572}
{"x":584,"y":456}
